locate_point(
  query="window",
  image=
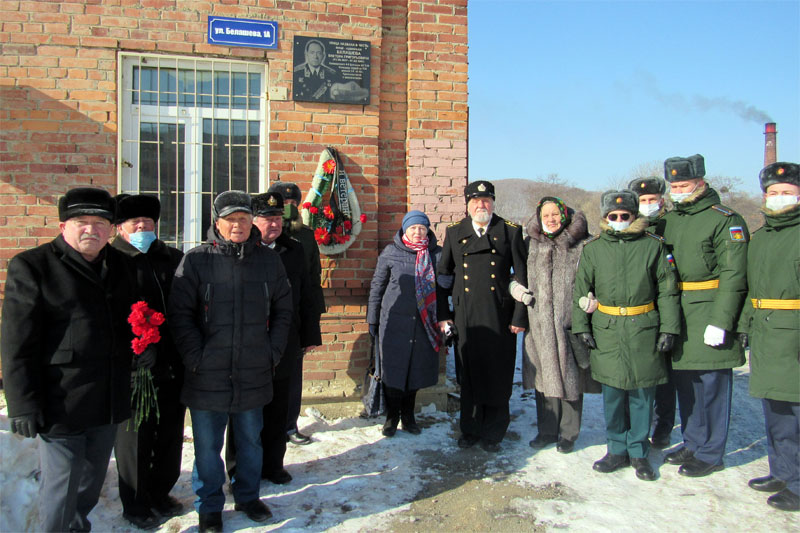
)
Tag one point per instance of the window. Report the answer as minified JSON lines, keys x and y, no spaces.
{"x":190,"y":129}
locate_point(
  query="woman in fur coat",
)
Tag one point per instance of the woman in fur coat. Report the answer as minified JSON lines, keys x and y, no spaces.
{"x":555,"y":363}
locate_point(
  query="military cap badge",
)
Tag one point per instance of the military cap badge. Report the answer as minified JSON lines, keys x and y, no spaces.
{"x":619,"y":199}
{"x":482,"y":187}
{"x":272,"y":201}
{"x":780,"y":171}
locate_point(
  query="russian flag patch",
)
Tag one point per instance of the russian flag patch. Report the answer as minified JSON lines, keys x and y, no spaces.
{"x":737,"y":233}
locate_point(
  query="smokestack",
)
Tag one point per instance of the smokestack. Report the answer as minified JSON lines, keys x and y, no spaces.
{"x":770,"y":143}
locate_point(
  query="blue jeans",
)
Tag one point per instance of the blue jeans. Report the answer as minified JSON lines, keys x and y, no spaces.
{"x":208,"y":474}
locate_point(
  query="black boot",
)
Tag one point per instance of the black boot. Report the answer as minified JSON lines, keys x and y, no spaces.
{"x":393,"y":404}
{"x":407,"y":413}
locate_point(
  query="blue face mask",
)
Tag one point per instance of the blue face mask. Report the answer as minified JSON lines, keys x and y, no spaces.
{"x":142,"y":240}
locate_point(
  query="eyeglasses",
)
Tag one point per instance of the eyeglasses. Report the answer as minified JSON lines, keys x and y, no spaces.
{"x":623,"y":216}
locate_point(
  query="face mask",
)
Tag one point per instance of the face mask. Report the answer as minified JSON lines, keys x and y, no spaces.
{"x":290,"y":212}
{"x":678,"y":197}
{"x":648,"y":210}
{"x":142,"y":240}
{"x":619,"y":225}
{"x":776,"y":203}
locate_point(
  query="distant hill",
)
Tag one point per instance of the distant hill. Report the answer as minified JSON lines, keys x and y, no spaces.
{"x":516,"y":200}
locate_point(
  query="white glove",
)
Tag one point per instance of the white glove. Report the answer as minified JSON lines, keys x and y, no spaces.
{"x":714,"y":336}
{"x":520,"y":293}
{"x":588,"y":303}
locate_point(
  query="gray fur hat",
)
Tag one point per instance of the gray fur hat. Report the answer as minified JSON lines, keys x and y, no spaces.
{"x":289,"y":191}
{"x":684,"y":168}
{"x":86,"y":201}
{"x":624,"y":199}
{"x":648,"y":185}
{"x":230,"y":202}
{"x":779,"y":172}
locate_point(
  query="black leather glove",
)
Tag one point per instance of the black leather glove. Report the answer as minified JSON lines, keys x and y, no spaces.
{"x":147,"y":358}
{"x":665,"y":342}
{"x":744,"y":340}
{"x":27,"y":425}
{"x":588,"y":340}
{"x":373,"y":330}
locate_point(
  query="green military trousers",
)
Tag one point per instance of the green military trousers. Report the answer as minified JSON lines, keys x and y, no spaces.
{"x":624,"y":438}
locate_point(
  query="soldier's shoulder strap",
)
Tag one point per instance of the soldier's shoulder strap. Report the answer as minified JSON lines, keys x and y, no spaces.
{"x":450,"y":225}
{"x":591,"y":239}
{"x":727,"y":211}
{"x":659,"y":238}
{"x":509,"y":223}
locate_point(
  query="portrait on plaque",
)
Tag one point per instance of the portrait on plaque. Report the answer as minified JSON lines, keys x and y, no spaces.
{"x":331,"y":70}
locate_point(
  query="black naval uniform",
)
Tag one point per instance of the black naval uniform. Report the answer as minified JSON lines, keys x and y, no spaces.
{"x":483,"y":312}
{"x":311,"y":85}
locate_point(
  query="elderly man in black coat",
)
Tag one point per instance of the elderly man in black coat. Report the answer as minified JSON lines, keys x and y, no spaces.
{"x":481,"y":251}
{"x":230,"y":311}
{"x":149,"y":457}
{"x":66,"y":354}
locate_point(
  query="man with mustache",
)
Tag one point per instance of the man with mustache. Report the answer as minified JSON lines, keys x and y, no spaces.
{"x":66,"y":354}
{"x":481,"y":251}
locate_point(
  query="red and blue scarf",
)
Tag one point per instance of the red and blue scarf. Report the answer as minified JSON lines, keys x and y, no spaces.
{"x":425,"y":285}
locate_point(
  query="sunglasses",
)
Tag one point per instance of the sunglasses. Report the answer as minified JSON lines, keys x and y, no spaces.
{"x":624,"y":216}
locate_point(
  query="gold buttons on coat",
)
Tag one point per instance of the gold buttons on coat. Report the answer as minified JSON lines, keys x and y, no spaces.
{"x":492,"y":276}
{"x":465,"y":265}
{"x":492,"y":263}
{"x":466,"y":277}
{"x":492,"y":288}
{"x":466,"y":289}
{"x":494,"y":251}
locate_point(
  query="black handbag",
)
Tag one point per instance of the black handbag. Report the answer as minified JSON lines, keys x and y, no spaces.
{"x":373,"y":396}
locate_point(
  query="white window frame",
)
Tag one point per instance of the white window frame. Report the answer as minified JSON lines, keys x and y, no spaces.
{"x":131,"y":116}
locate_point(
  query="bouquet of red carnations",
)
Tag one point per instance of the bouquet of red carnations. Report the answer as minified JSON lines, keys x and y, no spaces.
{"x":144,"y":396}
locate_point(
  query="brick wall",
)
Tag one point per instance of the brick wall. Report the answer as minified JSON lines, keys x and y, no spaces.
{"x":407,"y":149}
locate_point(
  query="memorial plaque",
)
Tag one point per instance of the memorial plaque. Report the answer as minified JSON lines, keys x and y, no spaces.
{"x":331,"y":70}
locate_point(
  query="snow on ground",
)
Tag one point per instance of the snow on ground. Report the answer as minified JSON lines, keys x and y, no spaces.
{"x":354,"y":479}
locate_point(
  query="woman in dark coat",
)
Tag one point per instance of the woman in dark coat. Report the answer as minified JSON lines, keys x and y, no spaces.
{"x":402,"y":317}
{"x":552,"y":353}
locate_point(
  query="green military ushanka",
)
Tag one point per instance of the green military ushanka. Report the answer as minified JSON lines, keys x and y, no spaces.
{"x":773,"y":271}
{"x":627,"y":269}
{"x":708,"y":242}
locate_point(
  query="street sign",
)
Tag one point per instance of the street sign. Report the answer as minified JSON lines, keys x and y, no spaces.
{"x":242,"y":32}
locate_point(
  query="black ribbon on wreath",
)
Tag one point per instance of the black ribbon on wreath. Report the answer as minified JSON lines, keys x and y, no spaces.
{"x":339,"y":202}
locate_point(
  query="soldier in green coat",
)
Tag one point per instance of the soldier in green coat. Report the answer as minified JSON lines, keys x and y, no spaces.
{"x":652,"y":206}
{"x":771,"y":316}
{"x":636,"y":320}
{"x":709,"y":245}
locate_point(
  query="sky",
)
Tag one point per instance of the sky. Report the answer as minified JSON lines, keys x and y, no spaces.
{"x":593,"y":90}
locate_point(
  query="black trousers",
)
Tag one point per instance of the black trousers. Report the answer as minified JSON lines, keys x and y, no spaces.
{"x":558,"y":418}
{"x":295,"y":395}
{"x":400,"y":404}
{"x":273,"y":434}
{"x":487,"y":422}
{"x":149,"y":460}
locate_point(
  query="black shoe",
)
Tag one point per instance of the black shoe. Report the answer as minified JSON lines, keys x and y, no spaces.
{"x":256,"y":510}
{"x":643,"y":469}
{"x":390,"y":427}
{"x":694,"y":467}
{"x":142,"y":521}
{"x":611,"y":462}
{"x":565,"y":446}
{"x":679,"y":457}
{"x":168,"y":506}
{"x":660,"y":441}
{"x":412,"y":428}
{"x":541,"y":441}
{"x":491,"y":447}
{"x":298,"y":438}
{"x":785,"y":500}
{"x":767,"y":484}
{"x":467,"y":441}
{"x":281,"y":477}
{"x":210,"y":522}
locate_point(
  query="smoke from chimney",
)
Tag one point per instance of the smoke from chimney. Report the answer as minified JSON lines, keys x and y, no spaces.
{"x":770,"y":143}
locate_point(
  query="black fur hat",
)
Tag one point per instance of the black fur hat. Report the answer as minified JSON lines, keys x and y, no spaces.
{"x":86,"y":201}
{"x":779,"y":172}
{"x":624,"y":199}
{"x":230,"y":202}
{"x":478,"y":189}
{"x":684,"y":168}
{"x":648,"y":185}
{"x":289,"y":191}
{"x":137,"y":205}
{"x":268,"y":204}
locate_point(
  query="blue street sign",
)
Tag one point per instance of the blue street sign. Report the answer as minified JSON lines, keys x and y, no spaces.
{"x":243,"y":32}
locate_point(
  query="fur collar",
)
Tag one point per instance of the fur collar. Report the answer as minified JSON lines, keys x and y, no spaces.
{"x":575,"y":232}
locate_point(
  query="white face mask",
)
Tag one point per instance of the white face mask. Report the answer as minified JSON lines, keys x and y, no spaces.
{"x":776,"y":203}
{"x":678,"y":197}
{"x":648,"y":210}
{"x":619,"y":225}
